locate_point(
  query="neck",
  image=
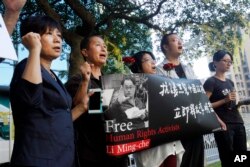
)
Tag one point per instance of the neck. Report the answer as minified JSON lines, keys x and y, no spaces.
{"x":46,"y":64}
{"x":220,"y":75}
{"x":173,"y":59}
{"x":96,"y":71}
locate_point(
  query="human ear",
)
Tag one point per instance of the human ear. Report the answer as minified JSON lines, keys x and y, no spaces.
{"x":165,"y":47}
{"x":84,"y":53}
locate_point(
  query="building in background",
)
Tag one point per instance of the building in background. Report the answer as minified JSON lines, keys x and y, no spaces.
{"x":6,"y":126}
{"x":240,"y":72}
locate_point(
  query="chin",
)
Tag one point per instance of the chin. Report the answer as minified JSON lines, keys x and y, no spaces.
{"x":56,"y":56}
{"x":101,"y":64}
{"x":102,"y":61}
{"x":52,"y":57}
{"x":180,"y":52}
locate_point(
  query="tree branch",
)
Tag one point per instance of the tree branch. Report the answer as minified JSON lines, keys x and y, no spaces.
{"x":50,"y":12}
{"x":81,"y":11}
{"x":145,"y":19}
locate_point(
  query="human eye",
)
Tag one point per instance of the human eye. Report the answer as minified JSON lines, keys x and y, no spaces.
{"x":59,"y":35}
{"x":174,"y":39}
{"x":146,"y":60}
{"x":227,"y":61}
{"x":49,"y":32}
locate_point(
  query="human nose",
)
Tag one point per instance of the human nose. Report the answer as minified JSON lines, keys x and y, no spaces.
{"x":153,"y":61}
{"x":180,"y":41}
{"x":104,"y":47}
{"x":57,"y":38}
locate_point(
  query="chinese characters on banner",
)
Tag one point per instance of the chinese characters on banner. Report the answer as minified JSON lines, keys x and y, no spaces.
{"x":160,"y":110}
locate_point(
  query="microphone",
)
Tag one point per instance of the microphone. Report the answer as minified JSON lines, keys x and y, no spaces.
{"x":232,"y":103}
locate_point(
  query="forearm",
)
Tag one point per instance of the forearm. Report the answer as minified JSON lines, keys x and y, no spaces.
{"x":81,"y":92}
{"x":10,"y":18}
{"x":80,"y":100}
{"x":222,"y":123}
{"x":78,"y":110}
{"x":219,"y":103}
{"x":12,"y":11}
{"x":244,"y":102}
{"x":32,"y":71}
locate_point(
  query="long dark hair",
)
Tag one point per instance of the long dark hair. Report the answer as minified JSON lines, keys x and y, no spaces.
{"x":136,"y":67}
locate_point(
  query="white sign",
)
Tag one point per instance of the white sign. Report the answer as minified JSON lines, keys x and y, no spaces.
{"x":6,"y":45}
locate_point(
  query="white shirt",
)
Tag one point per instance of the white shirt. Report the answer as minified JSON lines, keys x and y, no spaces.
{"x":154,"y":157}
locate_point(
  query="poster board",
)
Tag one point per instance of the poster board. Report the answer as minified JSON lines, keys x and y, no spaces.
{"x":6,"y":45}
{"x":175,"y":109}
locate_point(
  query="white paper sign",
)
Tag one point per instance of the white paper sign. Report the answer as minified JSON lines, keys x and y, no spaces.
{"x":107,"y":95}
{"x":6,"y":45}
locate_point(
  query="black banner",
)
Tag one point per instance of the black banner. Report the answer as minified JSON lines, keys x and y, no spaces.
{"x":161,"y":110}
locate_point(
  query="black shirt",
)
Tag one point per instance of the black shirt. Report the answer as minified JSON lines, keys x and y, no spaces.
{"x":180,"y":72}
{"x":220,"y":90}
{"x":90,"y":134}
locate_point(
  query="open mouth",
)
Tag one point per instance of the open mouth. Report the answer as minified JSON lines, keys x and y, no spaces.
{"x":103,"y":55}
{"x":180,"y":47}
{"x":57,"y":48}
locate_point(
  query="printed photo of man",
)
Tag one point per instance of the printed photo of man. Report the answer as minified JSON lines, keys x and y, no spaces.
{"x":127,"y":107}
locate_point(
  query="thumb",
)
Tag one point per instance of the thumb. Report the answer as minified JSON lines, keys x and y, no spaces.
{"x":91,"y":65}
{"x":90,"y":93}
{"x":127,"y":98}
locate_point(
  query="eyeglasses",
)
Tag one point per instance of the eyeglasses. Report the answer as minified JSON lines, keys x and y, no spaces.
{"x":148,"y":60}
{"x":227,"y":61}
{"x":129,"y":87}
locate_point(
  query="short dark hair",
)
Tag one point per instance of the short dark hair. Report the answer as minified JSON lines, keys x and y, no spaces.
{"x":128,"y":78}
{"x":85,"y":41}
{"x":164,"y":40}
{"x":136,"y":67}
{"x":217,"y":57}
{"x":38,"y":24}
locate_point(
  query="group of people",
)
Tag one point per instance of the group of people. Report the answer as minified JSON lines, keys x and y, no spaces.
{"x":184,"y":153}
{"x":222,"y":95}
{"x":54,"y":129}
